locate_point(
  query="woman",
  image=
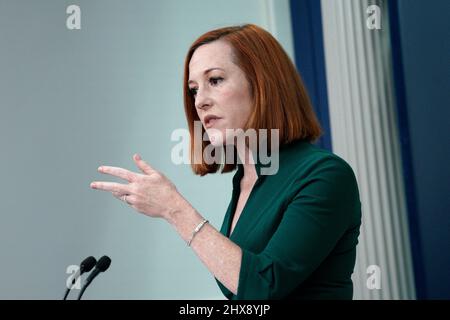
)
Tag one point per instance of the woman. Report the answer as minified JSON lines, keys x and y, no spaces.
{"x":289,"y":235}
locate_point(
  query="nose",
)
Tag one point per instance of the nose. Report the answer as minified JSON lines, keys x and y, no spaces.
{"x":202,"y":99}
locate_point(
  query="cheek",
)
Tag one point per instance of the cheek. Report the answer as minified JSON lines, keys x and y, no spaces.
{"x":242,"y":113}
{"x":238,"y":105}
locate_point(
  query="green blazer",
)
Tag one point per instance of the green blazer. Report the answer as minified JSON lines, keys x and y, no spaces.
{"x":299,"y":228}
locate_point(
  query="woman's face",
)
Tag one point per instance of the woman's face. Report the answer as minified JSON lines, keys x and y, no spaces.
{"x":221,"y":90}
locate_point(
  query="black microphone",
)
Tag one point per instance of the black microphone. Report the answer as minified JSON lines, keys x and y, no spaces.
{"x":101,"y":266}
{"x":85,"y":266}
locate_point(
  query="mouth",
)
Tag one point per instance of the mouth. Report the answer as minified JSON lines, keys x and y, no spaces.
{"x":211,"y":120}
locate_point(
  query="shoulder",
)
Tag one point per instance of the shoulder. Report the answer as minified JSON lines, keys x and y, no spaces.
{"x":305,"y":169}
{"x":302,"y":159}
{"x":321,"y":178}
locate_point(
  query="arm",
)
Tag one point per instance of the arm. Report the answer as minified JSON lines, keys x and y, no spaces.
{"x":219,"y":254}
{"x":152,"y":194}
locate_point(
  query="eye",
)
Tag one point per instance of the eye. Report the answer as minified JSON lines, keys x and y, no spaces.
{"x":215,"y":80}
{"x":193,"y":91}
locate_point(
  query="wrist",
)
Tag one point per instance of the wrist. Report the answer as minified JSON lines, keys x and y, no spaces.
{"x":180,"y":208}
{"x":184,"y":218}
{"x":195,"y":231}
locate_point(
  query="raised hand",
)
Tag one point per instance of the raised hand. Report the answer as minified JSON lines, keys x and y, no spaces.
{"x":150,"y":193}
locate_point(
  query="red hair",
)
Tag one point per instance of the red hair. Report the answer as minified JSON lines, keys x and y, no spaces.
{"x":279,"y":97}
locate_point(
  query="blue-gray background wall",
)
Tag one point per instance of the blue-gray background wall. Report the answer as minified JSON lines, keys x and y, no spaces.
{"x":73,"y":100}
{"x":424,"y":33}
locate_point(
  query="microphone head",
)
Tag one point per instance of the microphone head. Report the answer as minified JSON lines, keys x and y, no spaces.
{"x":87,"y":264}
{"x":103,"y":263}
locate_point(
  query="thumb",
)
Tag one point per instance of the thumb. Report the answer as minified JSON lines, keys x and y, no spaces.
{"x":142,"y":165}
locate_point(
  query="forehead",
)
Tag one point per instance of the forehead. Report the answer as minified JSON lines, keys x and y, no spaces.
{"x":217,"y":54}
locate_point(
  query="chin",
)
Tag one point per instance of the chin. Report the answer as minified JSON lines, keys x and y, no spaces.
{"x":216,"y":141}
{"x":216,"y":137}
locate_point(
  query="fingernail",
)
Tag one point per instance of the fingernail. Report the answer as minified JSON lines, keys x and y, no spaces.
{"x":100,"y":168}
{"x":138,"y":157}
{"x":93,"y":185}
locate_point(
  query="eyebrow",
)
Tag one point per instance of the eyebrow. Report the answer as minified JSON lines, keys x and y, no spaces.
{"x":206,"y":71}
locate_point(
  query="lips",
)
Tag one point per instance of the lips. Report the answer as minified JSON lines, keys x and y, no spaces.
{"x":210,"y":120}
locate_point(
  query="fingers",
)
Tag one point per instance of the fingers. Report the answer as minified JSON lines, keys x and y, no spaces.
{"x":128,"y":198}
{"x":118,"y":172}
{"x":120,"y":190}
{"x":111,"y":187}
{"x":142,"y":165}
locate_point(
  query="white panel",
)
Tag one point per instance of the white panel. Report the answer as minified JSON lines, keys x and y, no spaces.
{"x":362,"y":121}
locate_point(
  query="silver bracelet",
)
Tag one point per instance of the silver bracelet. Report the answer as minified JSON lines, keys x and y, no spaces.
{"x":197,"y":229}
